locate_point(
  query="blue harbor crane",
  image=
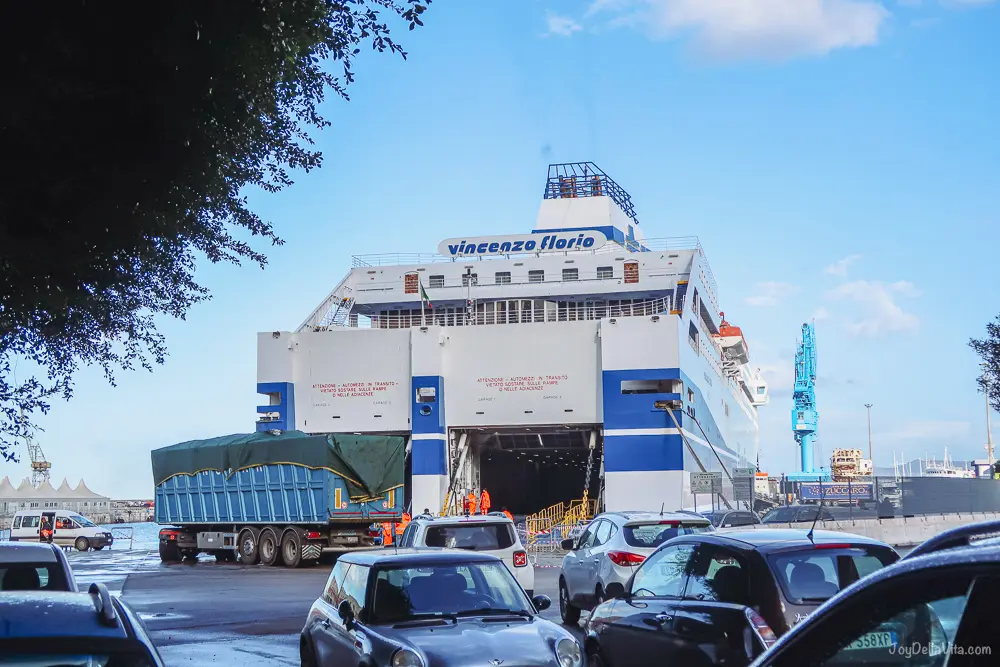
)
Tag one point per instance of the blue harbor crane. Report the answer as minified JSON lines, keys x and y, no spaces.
{"x":804,"y":416}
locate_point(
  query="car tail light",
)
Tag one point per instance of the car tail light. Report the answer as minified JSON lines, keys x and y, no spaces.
{"x":313,"y":535}
{"x":669,"y":523}
{"x":832,"y":546}
{"x":625,"y":558}
{"x":520,"y":559}
{"x":760,"y":628}
{"x":167,"y":534}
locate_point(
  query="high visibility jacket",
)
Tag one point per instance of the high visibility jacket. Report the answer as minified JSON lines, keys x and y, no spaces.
{"x":484,"y":502}
{"x":508,"y":515}
{"x":386,"y":534}
{"x":470,"y":503}
{"x":401,"y":526}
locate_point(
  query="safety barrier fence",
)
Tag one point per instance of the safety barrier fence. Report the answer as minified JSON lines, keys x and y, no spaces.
{"x":895,"y":496}
{"x":540,"y":527}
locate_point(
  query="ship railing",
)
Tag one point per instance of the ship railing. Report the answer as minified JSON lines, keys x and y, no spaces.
{"x":646,"y":245}
{"x":541,"y":311}
{"x":483,"y":283}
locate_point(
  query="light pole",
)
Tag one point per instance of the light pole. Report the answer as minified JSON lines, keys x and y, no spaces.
{"x":870,"y":458}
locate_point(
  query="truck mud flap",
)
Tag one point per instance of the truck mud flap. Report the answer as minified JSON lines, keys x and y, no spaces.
{"x":311,"y":551}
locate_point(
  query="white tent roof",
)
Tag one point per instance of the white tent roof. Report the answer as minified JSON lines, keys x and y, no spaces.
{"x":24,"y":491}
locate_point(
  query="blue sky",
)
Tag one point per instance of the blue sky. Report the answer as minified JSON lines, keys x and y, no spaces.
{"x":839,"y":159}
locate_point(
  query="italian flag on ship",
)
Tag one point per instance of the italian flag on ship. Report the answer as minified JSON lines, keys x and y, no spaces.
{"x":424,"y":298}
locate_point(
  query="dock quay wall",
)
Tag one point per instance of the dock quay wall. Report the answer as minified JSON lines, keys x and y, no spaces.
{"x":896,"y":532}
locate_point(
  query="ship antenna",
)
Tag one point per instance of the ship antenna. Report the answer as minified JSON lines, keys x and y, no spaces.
{"x":819,"y":511}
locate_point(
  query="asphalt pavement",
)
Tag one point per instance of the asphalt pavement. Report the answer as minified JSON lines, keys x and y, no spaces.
{"x":208,"y":613}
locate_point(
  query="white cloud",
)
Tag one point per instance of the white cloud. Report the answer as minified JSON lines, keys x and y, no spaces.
{"x":839,"y":268}
{"x":821,"y":314}
{"x":755,"y":29}
{"x":780,"y":378}
{"x":563,"y":26}
{"x":770,"y":293}
{"x":879,"y":312}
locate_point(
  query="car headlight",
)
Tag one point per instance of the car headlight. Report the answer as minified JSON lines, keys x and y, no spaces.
{"x":568,"y":652}
{"x":406,"y":658}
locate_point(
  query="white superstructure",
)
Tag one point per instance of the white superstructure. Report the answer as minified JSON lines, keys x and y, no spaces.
{"x":529,"y":355}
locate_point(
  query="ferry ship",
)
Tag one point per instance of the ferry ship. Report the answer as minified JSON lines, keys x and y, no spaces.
{"x":580,"y":359}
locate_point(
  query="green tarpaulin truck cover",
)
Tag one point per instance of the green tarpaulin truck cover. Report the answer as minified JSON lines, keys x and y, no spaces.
{"x":371,"y":464}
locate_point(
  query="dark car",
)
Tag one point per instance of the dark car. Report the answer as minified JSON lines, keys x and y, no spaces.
{"x":431,"y":607}
{"x":722,"y":598}
{"x":33,"y":566}
{"x":731,"y":518}
{"x":932,"y":609}
{"x":72,"y":628}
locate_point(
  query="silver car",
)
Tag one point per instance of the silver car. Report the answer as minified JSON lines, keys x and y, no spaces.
{"x":609,"y":550}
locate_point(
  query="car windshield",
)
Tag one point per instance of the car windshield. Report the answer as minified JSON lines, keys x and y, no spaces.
{"x":471,"y":589}
{"x":653,"y":534}
{"x":813,"y":575}
{"x":476,"y":537}
{"x":82,"y":520}
{"x":32,"y":577}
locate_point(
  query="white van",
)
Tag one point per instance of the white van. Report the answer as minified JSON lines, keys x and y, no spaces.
{"x":69,"y":529}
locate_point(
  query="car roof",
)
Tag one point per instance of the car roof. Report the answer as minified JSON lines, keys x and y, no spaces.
{"x":767,"y":539}
{"x":28,"y":614}
{"x":677,"y":515}
{"x":425,"y":556}
{"x":458,"y":520}
{"x":26,"y":552}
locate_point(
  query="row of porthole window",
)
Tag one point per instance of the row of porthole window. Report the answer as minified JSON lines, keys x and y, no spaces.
{"x":535,"y":276}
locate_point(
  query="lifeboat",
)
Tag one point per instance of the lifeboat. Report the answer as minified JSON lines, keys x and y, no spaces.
{"x":730,"y":340}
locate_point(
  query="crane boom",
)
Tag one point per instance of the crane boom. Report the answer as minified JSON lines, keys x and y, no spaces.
{"x":804,"y":415}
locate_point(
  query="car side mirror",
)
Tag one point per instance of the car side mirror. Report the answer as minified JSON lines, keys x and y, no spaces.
{"x":346,"y":614}
{"x":615,"y":591}
{"x":568,"y":544}
{"x":541,"y":602}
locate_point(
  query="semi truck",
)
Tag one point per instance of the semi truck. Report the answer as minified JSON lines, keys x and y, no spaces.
{"x":276,"y":497}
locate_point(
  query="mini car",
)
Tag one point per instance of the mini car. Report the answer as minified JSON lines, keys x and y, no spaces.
{"x":722,"y":598}
{"x":33,"y":566}
{"x":70,"y":628}
{"x":429,"y":607}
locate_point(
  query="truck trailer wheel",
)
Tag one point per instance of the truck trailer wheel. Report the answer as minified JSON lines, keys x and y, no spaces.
{"x":269,"y":546}
{"x":291,"y":548}
{"x":169,"y":553}
{"x":248,"y":547}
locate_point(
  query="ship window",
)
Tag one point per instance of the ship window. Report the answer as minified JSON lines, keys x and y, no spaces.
{"x":436,"y":281}
{"x":536,"y":276}
{"x":502,"y":277}
{"x":693,"y":336}
{"x":605,"y":272}
{"x":470,"y":278}
{"x":571,"y":274}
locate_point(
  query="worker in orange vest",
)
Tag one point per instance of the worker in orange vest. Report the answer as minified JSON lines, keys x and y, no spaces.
{"x":484,"y":502}
{"x":386,"y":534}
{"x":507,"y":514}
{"x":401,"y":526}
{"x":470,"y":503}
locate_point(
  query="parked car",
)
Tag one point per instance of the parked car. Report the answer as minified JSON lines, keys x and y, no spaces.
{"x":72,"y":628}
{"x":428,"y":607}
{"x":69,"y":529}
{"x":932,"y":609}
{"x":493,"y":534}
{"x":33,"y":566}
{"x":731,"y":518}
{"x":610,"y":549}
{"x":807,"y":513}
{"x":722,"y":598}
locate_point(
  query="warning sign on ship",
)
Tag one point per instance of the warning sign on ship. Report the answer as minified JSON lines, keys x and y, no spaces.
{"x":631,"y":272}
{"x":411,"y":283}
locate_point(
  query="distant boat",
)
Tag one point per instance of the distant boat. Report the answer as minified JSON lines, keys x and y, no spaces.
{"x":945,"y":469}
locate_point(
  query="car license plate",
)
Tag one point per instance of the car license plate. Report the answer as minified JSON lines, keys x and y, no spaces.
{"x":873,"y":640}
{"x":345,"y":533}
